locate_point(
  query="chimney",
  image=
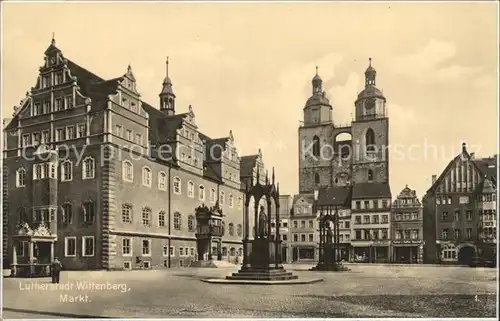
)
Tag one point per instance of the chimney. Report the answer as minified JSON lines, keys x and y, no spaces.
{"x":464,"y":147}
{"x":434,"y":178}
{"x":316,"y":192}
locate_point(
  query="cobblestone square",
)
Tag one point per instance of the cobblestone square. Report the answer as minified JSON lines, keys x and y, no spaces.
{"x":365,"y":291}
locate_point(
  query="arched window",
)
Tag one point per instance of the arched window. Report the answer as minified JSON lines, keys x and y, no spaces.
{"x":162,"y":181}
{"x":146,"y":216}
{"x":212,"y":195}
{"x":239,"y":230}
{"x":127,"y":213}
{"x":161,"y":219}
{"x":67,"y":171}
{"x":231,"y":229}
{"x":67,"y":213}
{"x":201,"y":192}
{"x":88,"y":212}
{"x":177,"y":221}
{"x":127,"y":171}
{"x":370,"y":175}
{"x":221,"y":198}
{"x":316,"y":146}
{"x":177,"y":185}
{"x":191,"y":223}
{"x":23,"y":216}
{"x":231,"y":200}
{"x":223,"y":228}
{"x":190,"y":190}
{"x":88,"y":169}
{"x":316,"y":178}
{"x":370,"y":140}
{"x":146,"y":176}
{"x":21,"y":177}
{"x":232,"y":251}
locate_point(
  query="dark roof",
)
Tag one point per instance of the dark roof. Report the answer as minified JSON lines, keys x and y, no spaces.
{"x":247,"y":164}
{"x":488,"y":166}
{"x":371,"y":91}
{"x":215,"y":152}
{"x":371,"y":190}
{"x":317,"y":99}
{"x":334,"y":196}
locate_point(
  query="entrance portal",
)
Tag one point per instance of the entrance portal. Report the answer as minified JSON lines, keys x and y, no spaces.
{"x":466,"y":255}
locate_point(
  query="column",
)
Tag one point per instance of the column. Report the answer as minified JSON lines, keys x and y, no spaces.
{"x":51,"y":256}
{"x":246,"y":258}
{"x":30,"y":257}
{"x":14,"y":258}
{"x":268,"y":198}
{"x":278,"y":250}
{"x":256,"y":218}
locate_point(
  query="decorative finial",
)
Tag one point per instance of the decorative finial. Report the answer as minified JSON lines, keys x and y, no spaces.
{"x":53,"y":41}
{"x":406,"y":186}
{"x":370,"y":61}
{"x":316,"y":70}
{"x":190,"y":108}
{"x":167,"y":66}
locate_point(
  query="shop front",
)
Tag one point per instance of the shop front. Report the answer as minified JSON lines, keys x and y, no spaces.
{"x":407,"y":251}
{"x":304,"y":253}
{"x":371,"y":252}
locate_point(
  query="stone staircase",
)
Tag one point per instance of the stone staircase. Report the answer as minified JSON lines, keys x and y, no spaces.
{"x":212,"y":264}
{"x":263,"y":275}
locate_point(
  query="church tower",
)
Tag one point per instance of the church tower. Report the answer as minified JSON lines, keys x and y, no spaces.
{"x":167,"y":96}
{"x":315,"y":136}
{"x":370,"y":133}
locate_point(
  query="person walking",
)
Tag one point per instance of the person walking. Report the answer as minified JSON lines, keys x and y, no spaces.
{"x":56,"y":270}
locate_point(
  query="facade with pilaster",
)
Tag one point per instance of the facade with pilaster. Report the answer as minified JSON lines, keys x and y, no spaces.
{"x":111,"y":179}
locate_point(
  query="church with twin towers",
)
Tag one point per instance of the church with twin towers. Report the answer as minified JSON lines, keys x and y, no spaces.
{"x":327,"y":158}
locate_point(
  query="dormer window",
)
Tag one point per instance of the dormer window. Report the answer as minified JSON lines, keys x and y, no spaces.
{"x":46,"y":107}
{"x":69,"y":102}
{"x":37,"y":109}
{"x":125,"y":102}
{"x":59,"y":78}
{"x":45,"y":81}
{"x":133,"y":107}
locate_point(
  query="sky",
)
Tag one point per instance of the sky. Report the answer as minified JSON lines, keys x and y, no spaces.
{"x":248,"y":68}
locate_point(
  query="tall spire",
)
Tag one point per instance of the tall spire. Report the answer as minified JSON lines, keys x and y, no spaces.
{"x":317,"y":83}
{"x":167,"y":68}
{"x":53,"y":41}
{"x":167,"y":96}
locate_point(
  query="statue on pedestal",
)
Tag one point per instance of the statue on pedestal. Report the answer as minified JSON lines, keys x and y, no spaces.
{"x":262,"y":223}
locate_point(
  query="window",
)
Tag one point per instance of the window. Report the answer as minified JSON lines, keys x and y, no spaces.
{"x":118,"y":130}
{"x":284,"y":237}
{"x":88,"y":168}
{"x":231,"y":229}
{"x":370,"y":140}
{"x":221,"y":198}
{"x":46,"y":107}
{"x":88,"y":212}
{"x":311,"y":224}
{"x":375,"y":219}
{"x":311,"y":238}
{"x":444,"y":216}
{"x":129,"y":135}
{"x":191,"y":223}
{"x":302,"y":224}
{"x":36,"y":139}
{"x":161,"y":219}
{"x":146,"y":216}
{"x":26,"y":140}
{"x":127,"y":247}
{"x":127,"y":171}
{"x":190,"y":189}
{"x":358,"y":234}
{"x":239,"y":230}
{"x":45,"y":137}
{"x":177,"y":185}
{"x":88,"y":246}
{"x":414,"y":234}
{"x":384,"y":234}
{"x":21,"y":177}
{"x":59,"y":78}
{"x":295,"y":238}
{"x":457,"y":215}
{"x":162,"y":181}
{"x":165,"y":250}
{"x":45,"y":81}
{"x":295,"y":224}
{"x":146,"y":176}
{"x":70,"y":246}
{"x":69,"y":102}
{"x":58,"y":104}
{"x":37,"y":109}
{"x":212,"y":195}
{"x":449,"y":199}
{"x":385,"y":219}
{"x":172,"y":251}
{"x":66,"y":171}
{"x":414,"y":216}
{"x":177,"y":221}
{"x":81,"y":130}
{"x":375,"y":204}
{"x":316,"y":146}
{"x":370,"y":175}
{"x":127,"y":213}
{"x":138,"y":139}
{"x":468,"y":215}
{"x":146,"y":248}
{"x":385,"y":204}
{"x":366,"y":219}
{"x":67,"y":213}
{"x":60,"y":134}
{"x":469,"y":233}
{"x":70,"y":132}
{"x":239,"y":203}
{"x":316,"y":178}
{"x":358,"y":205}
{"x":444,"y":234}
{"x":231,"y":201}
{"x":464,"y":199}
{"x":302,"y":237}
{"x":457,"y":234}
{"x":201,"y":193}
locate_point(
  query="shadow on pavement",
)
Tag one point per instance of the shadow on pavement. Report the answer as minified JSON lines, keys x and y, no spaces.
{"x":443,"y":305}
{"x":56,"y":314}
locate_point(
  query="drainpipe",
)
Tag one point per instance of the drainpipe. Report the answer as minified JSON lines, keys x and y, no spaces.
{"x":169,"y":189}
